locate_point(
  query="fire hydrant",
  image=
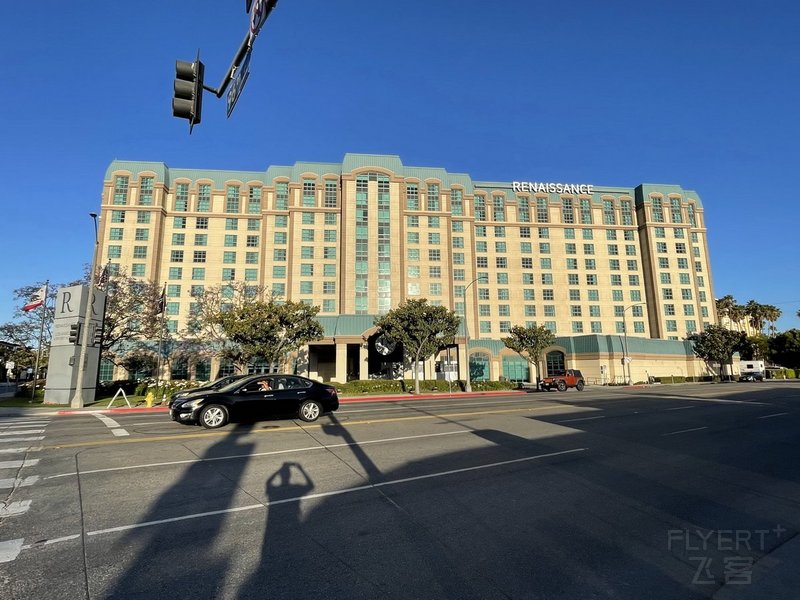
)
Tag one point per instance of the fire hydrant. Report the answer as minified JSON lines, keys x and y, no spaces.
{"x":149,"y":398}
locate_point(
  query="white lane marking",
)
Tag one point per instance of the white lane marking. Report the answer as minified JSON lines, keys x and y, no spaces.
{"x":721,"y":401}
{"x":14,"y":508}
{"x":581,"y":419}
{"x":773,"y":415}
{"x":271,"y":453}
{"x":680,"y":408}
{"x":20,"y":450}
{"x":28,"y":422}
{"x":27,"y":432}
{"x":13,"y":483}
{"x":30,"y":439}
{"x":683,"y":431}
{"x":10,"y":550}
{"x":346,"y":409}
{"x":332,"y":493}
{"x":18,"y":464}
{"x":112,"y":425}
{"x":66,"y":538}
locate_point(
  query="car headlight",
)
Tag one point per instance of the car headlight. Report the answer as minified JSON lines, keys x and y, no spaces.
{"x":192,"y":404}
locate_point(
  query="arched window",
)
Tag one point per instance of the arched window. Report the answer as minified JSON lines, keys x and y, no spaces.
{"x":555,"y":362}
{"x":479,"y":366}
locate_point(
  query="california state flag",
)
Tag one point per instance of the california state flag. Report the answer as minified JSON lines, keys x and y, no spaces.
{"x":37,"y":299}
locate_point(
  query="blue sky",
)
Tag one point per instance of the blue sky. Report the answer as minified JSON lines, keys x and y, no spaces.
{"x":621,"y":92}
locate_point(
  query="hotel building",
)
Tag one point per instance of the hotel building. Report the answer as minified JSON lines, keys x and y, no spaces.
{"x":602,"y":267}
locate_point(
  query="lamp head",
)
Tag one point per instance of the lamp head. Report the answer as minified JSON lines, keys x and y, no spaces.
{"x":93,"y":215}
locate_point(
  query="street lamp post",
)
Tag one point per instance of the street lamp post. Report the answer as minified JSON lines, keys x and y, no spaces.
{"x":625,"y":356}
{"x":468,"y":382}
{"x":77,"y":399}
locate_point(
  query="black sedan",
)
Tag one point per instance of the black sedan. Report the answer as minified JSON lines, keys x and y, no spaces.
{"x":257,"y":397}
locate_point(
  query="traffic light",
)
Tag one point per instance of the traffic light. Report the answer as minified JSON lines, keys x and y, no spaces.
{"x":74,"y":333}
{"x":188,"y":100}
{"x":98,"y":336}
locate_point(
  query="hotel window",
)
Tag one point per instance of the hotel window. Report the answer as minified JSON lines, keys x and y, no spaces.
{"x":435,"y":272}
{"x":529,"y":294}
{"x":458,"y":258}
{"x":569,"y":233}
{"x":669,"y":310}
{"x":434,"y":255}
{"x":434,"y":239}
{"x":145,"y":192}
{"x":140,"y":252}
{"x":178,"y":239}
{"x":575,"y":295}
{"x":502,"y":278}
{"x":279,"y":237}
{"x":308,"y":218}
{"x":253,"y":224}
{"x":663,"y":263}
{"x":573,"y":279}
{"x":542,"y":211}
{"x":586,"y":211}
{"x":330,"y":218}
{"x":680,"y":248}
{"x":498,"y":208}
{"x":329,"y":270}
{"x":137,"y":270}
{"x":182,"y":197}
{"x":527,"y":262}
{"x":433,"y":222}
{"x":691,"y":326}
{"x":331,"y":194}
{"x":121,"y":190}
{"x":307,"y":269}
{"x":548,"y":295}
{"x":628,"y":235}
{"x":630,"y":250}
{"x":616,"y":280}
{"x":691,"y":215}
{"x":228,"y":274}
{"x":329,"y":235}
{"x":675,"y":210}
{"x":412,"y":237}
{"x":142,"y":217}
{"x":688,"y":310}
{"x":457,"y":226}
{"x":591,"y":279}
{"x":545,"y":263}
{"x":530,"y":310}
{"x":458,"y":242}
{"x":549,"y":309}
{"x":661,"y":247}
{"x":230,"y":241}
{"x":572,"y":263}
{"x":483,"y":293}
{"x":307,"y":235}
{"x":114,"y":251}
{"x":198,"y":273}
{"x":501,"y":262}
{"x":684,"y":278}
{"x":567,"y":211}
{"x":611,"y":235}
{"x":229,"y":257}
{"x":590,"y":264}
{"x":660,"y":232}
{"x":686,"y":293}
{"x":633,"y":265}
{"x":457,"y":202}
{"x":500,"y":247}
{"x":328,"y":287}
{"x":575,"y":310}
{"x":683,"y":263}
{"x":588,"y":248}
{"x":433,"y":196}
{"x":412,"y":221}
{"x":616,"y":295}
{"x":204,"y":197}
{"x":679,"y":233}
{"x":179,"y":223}
{"x":201,"y":223}
{"x":638,"y":326}
{"x":412,"y":196}
{"x":281,"y":196}
{"x":525,"y":247}
{"x":278,"y":272}
{"x":587,"y":234}
{"x":142,"y":235}
{"x":657,"y":210}
{"x":666,"y":294}
{"x":230,"y":224}
{"x":175,"y":272}
{"x":413,"y":254}
{"x":613,"y":249}
{"x":232,"y":199}
{"x":503,"y":294}
{"x":482,"y":262}
{"x":627,"y":212}
{"x":329,"y":252}
{"x":609,"y":215}
{"x":251,"y":274}
{"x":309,"y":192}
{"x":480,"y":207}
{"x":665,"y":278}
{"x":435,"y":289}
{"x":198,"y":256}
{"x":523,"y":210}
{"x":528,"y":279}
{"x":279,"y":255}
{"x":117,"y":216}
{"x":484,"y":310}
{"x":593,"y":295}
{"x":485,"y":327}
{"x":671,"y":324}
{"x":570,"y":248}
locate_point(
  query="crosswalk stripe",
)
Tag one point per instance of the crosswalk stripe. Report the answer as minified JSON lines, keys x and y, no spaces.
{"x":29,"y":431}
{"x":10,"y":550}
{"x":28,"y":439}
{"x":14,"y":508}
{"x":20,"y":450}
{"x":18,"y":482}
{"x":18,"y":464}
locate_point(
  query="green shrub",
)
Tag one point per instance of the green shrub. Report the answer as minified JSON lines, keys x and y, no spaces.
{"x":487,"y":386}
{"x":370,"y":386}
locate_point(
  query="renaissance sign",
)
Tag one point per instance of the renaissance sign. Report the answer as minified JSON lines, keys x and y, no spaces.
{"x":557,"y":188}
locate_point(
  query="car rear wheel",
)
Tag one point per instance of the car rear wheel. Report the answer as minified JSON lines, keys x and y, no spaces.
{"x":561,"y":386}
{"x":214,"y":416}
{"x":310,"y":410}
{"x":579,"y":387}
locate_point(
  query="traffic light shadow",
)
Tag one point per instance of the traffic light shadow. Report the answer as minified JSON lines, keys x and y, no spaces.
{"x":202,"y":483}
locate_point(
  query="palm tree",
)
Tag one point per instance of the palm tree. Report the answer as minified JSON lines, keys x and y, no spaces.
{"x":724,"y":306}
{"x":737,"y":314}
{"x":772,"y":314}
{"x":755,"y":311}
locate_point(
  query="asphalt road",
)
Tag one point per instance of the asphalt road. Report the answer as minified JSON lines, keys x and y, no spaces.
{"x":667,"y":492}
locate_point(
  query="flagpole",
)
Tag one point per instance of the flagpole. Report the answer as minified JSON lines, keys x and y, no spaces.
{"x":41,"y":336}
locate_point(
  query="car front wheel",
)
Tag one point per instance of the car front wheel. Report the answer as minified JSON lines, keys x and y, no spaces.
{"x":214,"y":416}
{"x":310,"y":410}
{"x":561,"y":386}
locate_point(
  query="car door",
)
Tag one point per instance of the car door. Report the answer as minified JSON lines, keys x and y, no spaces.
{"x":253,"y":402}
{"x":290,"y":393}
